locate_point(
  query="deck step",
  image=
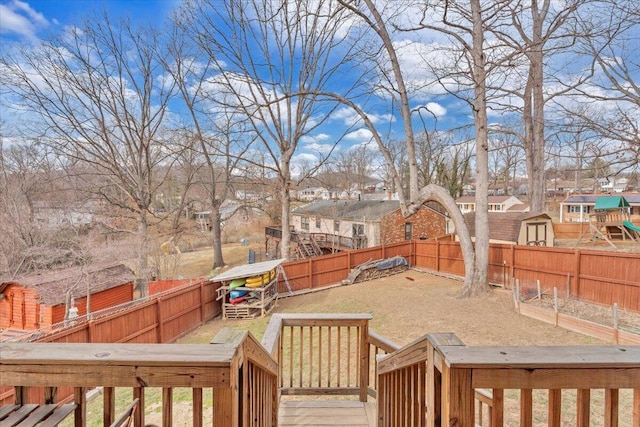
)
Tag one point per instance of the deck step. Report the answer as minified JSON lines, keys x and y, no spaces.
{"x":319,"y":413}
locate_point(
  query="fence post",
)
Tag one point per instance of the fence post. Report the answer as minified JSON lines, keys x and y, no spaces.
{"x":576,"y":273}
{"x":438,"y":255}
{"x":160,"y":333}
{"x":202,"y":302}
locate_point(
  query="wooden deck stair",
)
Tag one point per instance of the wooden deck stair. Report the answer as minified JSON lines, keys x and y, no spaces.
{"x":327,"y":413}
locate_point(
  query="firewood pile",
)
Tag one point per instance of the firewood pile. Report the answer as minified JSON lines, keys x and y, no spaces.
{"x":374,"y":269}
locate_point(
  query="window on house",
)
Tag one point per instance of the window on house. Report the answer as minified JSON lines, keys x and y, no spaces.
{"x":576,"y":209}
{"x":318,"y":222}
{"x":304,"y":223}
{"x":357,"y":230}
{"x":408,"y":231}
{"x":336,"y":226}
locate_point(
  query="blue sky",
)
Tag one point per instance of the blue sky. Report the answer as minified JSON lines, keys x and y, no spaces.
{"x":25,"y":21}
{"x":29,"y":19}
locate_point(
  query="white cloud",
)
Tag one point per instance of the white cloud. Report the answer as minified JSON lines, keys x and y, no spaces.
{"x":361,"y":135}
{"x":307,"y":139}
{"x":17,"y":17}
{"x":319,"y":148}
{"x":435,"y":109}
{"x":350,"y":118}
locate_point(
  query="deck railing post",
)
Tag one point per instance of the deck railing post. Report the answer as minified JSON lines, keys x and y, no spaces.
{"x":364,"y":360}
{"x":458,"y":396}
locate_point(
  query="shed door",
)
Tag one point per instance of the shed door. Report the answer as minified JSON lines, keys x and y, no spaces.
{"x":537,"y":234}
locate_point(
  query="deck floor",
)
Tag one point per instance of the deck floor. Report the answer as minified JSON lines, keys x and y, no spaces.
{"x":327,"y":413}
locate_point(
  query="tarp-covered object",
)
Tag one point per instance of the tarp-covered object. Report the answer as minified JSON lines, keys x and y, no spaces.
{"x":607,"y":203}
{"x":391,"y":263}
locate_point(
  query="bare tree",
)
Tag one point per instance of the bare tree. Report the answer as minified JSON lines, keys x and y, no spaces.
{"x":613,"y":90}
{"x":100,"y":94}
{"x":273,"y":62}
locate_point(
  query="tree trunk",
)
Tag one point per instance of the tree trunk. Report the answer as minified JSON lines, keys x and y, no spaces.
{"x":216,"y":229}
{"x":480,"y":283}
{"x":442,"y":196}
{"x":141,"y":288}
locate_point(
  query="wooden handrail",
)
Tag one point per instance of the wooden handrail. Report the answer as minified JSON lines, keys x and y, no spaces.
{"x":459,"y":376}
{"x":322,"y":353}
{"x":235,"y":361}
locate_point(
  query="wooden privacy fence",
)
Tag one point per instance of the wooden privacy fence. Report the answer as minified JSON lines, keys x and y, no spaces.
{"x":160,"y":319}
{"x":603,"y":277}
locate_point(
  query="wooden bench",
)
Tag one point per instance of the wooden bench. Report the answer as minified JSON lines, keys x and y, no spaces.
{"x":30,"y":414}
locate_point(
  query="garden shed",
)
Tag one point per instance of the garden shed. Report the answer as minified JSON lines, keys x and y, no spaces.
{"x":520,"y":228}
{"x":37,"y":300}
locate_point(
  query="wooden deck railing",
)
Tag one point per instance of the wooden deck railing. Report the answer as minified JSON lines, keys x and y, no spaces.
{"x":329,"y":354}
{"x":437,"y":380}
{"x":237,"y":369}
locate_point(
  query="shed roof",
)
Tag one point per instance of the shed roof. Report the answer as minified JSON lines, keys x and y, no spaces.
{"x":504,"y":226}
{"x":587,"y":199}
{"x":52,"y":286}
{"x":607,"y":203}
{"x":248,"y":270}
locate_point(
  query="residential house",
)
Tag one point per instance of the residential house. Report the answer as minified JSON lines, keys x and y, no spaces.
{"x":42,"y":299}
{"x":496,"y":204}
{"x":517,"y":228}
{"x":577,"y":207}
{"x":369,"y":223}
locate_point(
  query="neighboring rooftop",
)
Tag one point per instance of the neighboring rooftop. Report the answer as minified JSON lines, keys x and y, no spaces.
{"x":356,"y":210}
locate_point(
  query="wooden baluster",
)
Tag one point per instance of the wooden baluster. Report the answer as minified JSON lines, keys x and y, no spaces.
{"x":167,"y":407}
{"x":338,"y":351}
{"x":496,"y":411}
{"x":329,"y":353}
{"x":555,"y":408}
{"x":108,"y":405}
{"x":611,"y":408}
{"x":583,"y":408}
{"x":320,"y":356}
{"x":21,"y":395}
{"x":301,"y":355}
{"x":50,"y":395}
{"x":80,"y":399}
{"x":197,"y":407}
{"x":311,"y":357}
{"x":636,"y":407}
{"x":526,"y":407}
{"x":138,"y":393}
{"x":348,"y":356}
{"x":291,"y":347}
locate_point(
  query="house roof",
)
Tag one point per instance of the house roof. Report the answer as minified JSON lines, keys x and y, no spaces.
{"x":606,"y":203}
{"x":504,"y":226}
{"x":356,"y":210}
{"x":520,"y":207}
{"x":52,"y":286}
{"x":590,"y":199}
{"x":491,"y":199}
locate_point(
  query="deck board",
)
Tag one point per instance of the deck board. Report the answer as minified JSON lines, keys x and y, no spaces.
{"x":327,"y":413}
